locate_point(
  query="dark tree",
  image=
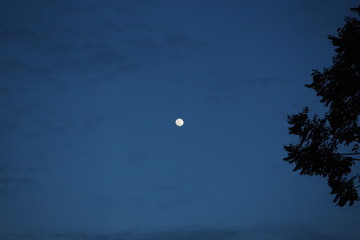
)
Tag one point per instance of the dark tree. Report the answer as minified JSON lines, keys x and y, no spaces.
{"x":329,"y":146}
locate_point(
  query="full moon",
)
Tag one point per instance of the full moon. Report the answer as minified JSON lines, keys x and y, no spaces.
{"x":179,"y":122}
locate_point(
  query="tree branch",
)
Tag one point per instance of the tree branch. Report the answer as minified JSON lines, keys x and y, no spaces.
{"x":355,"y":159}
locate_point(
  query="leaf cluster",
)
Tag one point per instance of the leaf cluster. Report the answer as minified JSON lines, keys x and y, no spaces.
{"x":317,"y":152}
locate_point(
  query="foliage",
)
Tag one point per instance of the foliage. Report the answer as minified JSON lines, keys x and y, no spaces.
{"x":322,"y":139}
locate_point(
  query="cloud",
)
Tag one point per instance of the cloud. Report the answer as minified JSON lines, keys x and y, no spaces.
{"x":215,"y":99}
{"x":222,"y":89}
{"x":7,"y":167}
{"x":166,"y":197}
{"x":308,"y":21}
{"x":11,"y":181}
{"x":177,"y":44}
{"x":50,"y":40}
{"x":11,"y":185}
{"x":52,"y":51}
{"x":109,"y":204}
{"x":279,"y":232}
{"x":261,"y":81}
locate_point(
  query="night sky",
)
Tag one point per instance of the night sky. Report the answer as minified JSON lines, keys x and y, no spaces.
{"x":89,"y":94}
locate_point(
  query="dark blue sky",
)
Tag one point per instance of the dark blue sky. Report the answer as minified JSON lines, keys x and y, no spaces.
{"x":89,"y":94}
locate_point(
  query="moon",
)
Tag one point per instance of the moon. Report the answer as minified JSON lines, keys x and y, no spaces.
{"x":179,"y":122}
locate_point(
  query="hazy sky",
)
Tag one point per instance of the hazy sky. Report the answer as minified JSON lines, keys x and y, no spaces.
{"x":90,"y":91}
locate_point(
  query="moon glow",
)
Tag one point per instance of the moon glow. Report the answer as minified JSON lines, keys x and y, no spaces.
{"x":179,"y":122}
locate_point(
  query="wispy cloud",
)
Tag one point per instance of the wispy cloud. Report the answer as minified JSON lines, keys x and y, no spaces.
{"x":66,"y":42}
{"x":10,"y":182}
{"x":51,"y":49}
{"x":297,"y":232}
{"x":7,"y":167}
{"x":222,"y":89}
{"x":310,"y":23}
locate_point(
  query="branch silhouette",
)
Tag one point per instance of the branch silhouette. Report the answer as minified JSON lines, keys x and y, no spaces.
{"x":338,"y":87}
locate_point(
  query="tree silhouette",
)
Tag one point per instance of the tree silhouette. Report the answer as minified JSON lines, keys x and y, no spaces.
{"x":329,"y":146}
